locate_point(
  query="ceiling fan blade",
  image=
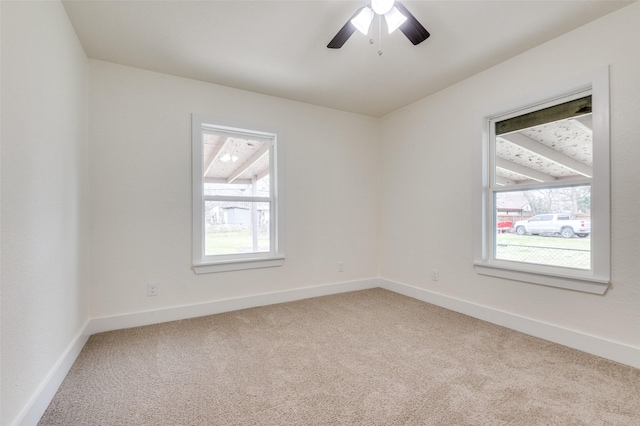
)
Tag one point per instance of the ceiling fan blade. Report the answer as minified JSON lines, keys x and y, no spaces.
{"x":413,"y":29}
{"x":344,"y":33}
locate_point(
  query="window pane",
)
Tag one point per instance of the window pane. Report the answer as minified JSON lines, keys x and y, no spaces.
{"x":534,"y":226}
{"x":547,"y":152}
{"x":232,"y":164}
{"x":236,"y":227}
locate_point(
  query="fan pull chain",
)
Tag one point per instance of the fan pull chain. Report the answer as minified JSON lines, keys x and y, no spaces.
{"x":380,"y":34}
{"x":371,"y":40}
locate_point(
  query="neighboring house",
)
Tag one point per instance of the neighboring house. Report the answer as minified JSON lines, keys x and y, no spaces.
{"x":513,"y":209}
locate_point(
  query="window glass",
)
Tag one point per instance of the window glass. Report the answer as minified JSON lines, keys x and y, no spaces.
{"x":234,"y":227}
{"x":546,"y":150}
{"x":234,"y":191}
{"x":231,"y":164}
{"x":544,"y":179}
{"x":545,"y":239}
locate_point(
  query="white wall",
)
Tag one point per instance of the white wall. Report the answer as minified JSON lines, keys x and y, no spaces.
{"x":428,"y":186}
{"x":140,"y":178}
{"x":44,"y":196}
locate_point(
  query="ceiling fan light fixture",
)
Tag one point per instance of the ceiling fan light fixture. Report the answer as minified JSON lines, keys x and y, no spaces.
{"x":362,"y":21}
{"x":394,"y":19}
{"x":381,"y":7}
{"x":397,"y":16}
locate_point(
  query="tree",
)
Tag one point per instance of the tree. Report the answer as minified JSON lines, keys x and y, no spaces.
{"x":571,"y":200}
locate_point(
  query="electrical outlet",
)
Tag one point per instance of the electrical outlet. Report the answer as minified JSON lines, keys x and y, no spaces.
{"x":435,"y":274}
{"x":152,"y":289}
{"x":340,"y":266}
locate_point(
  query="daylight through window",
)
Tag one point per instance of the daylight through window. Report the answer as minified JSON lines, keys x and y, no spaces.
{"x":549,"y":152}
{"x":234,"y":197}
{"x":545,"y":191}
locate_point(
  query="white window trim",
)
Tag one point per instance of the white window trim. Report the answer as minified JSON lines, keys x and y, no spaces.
{"x":208,"y":264}
{"x":597,"y":279}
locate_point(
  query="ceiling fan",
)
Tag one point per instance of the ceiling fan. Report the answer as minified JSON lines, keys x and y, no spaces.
{"x":395,"y":15}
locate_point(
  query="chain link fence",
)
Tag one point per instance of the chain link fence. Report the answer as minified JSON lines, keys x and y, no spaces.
{"x":568,"y":257}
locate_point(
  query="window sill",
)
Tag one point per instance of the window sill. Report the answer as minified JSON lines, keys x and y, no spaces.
{"x":238,"y":265}
{"x":569,"y":282}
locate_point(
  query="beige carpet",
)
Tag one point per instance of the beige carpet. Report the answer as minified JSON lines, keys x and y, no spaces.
{"x":370,"y":358}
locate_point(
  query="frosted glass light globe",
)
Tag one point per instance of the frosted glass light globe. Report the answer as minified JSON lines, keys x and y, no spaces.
{"x":381,"y":6}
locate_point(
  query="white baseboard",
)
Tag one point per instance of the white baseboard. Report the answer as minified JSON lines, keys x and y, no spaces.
{"x":41,"y":399}
{"x":37,"y":405}
{"x":138,"y":319}
{"x":598,"y":346}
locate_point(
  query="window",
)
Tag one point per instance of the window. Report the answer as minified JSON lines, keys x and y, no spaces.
{"x":544,"y":202}
{"x":237,"y":200}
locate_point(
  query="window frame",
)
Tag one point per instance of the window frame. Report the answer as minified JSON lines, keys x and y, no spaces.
{"x":595,"y":280}
{"x":202,"y":263}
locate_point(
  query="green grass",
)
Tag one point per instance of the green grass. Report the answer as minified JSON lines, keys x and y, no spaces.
{"x":219,"y":242}
{"x":551,"y":250}
{"x":550,"y":241}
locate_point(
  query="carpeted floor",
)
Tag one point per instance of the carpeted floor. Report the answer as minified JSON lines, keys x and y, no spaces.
{"x":371,"y":357}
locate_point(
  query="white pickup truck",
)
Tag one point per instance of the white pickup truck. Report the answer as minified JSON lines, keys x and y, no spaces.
{"x":553,"y":224}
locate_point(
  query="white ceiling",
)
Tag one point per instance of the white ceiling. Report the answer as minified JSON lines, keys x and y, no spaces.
{"x":279,"y":47}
